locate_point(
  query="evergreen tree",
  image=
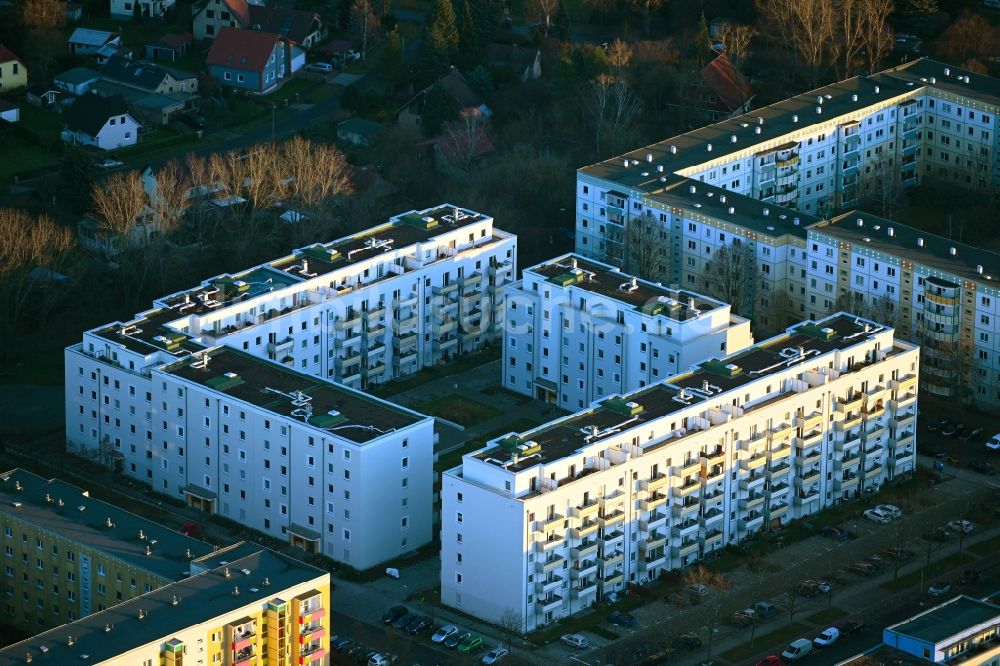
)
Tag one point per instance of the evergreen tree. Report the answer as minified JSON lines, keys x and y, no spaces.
{"x":487,"y":15}
{"x":440,"y":46}
{"x":703,"y":42}
{"x":481,"y":81}
{"x":391,"y":68}
{"x":75,"y":177}
{"x":469,"y":47}
{"x":562,"y":21}
{"x":440,"y":106}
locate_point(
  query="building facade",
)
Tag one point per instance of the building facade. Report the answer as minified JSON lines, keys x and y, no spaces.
{"x":764,"y":179}
{"x":69,"y":555}
{"x":278,"y":446}
{"x":549,"y":521}
{"x":963,"y":630}
{"x":578,"y":330}
{"x":259,"y":608}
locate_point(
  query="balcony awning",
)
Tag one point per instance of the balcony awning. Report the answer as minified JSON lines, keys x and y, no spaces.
{"x":304,"y":532}
{"x":546,"y":384}
{"x":200,"y":492}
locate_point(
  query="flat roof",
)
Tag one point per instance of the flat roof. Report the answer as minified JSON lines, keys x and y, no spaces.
{"x":935,"y":253}
{"x":794,"y":114}
{"x":709,"y":379}
{"x":944,"y":621}
{"x":343,"y":411}
{"x":119,"y":629}
{"x":572,"y":270}
{"x":148,"y":333}
{"x":64,"y":509}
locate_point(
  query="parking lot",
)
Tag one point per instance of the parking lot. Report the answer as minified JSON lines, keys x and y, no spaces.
{"x":953,"y":450}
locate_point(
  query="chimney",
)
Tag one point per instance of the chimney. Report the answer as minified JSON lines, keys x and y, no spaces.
{"x":142,"y":537}
{"x":225,"y":572}
{"x":149,"y":551}
{"x":174,"y":600}
{"x":626,"y":164}
{"x":860,"y":222}
{"x":756,"y":130}
{"x":236,"y":591}
{"x":267,"y":582}
{"x":732,"y":139}
{"x":70,"y":640}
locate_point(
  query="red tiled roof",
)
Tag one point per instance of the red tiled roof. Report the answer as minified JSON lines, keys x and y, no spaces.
{"x":242,"y":49}
{"x":731,"y":87}
{"x":6,"y":55}
{"x":454,"y":145}
{"x":239,"y":9}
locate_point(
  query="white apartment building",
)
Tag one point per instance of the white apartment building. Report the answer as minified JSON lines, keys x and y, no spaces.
{"x":944,"y":295}
{"x":766,"y":178}
{"x":549,"y":521}
{"x":154,"y":394}
{"x":578,"y":330}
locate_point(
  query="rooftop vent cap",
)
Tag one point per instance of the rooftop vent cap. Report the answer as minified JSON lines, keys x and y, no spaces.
{"x":673,"y":149}
{"x":692,"y":189}
{"x":854,"y":97}
{"x":659,"y":168}
{"x":795,"y":117}
{"x":236,"y":591}
{"x":861,"y":222}
{"x":891,"y":232}
{"x":708,"y":147}
{"x":141,"y":614}
{"x":920,"y":242}
{"x":933,"y":80}
{"x":267,"y":582}
{"x":770,"y":228}
{"x":635,"y":162}
{"x":819,"y":110}
{"x":70,"y":640}
{"x":16,"y":505}
{"x":760,"y":120}
{"x":979,"y":269}
{"x":952,"y":251}
{"x":731,"y":210}
{"x":722,"y":198}
{"x":876,"y":90}
{"x":174,"y":600}
{"x":732,"y":139}
{"x":149,"y":551}
{"x":795,"y":221}
{"x":225,"y":572}
{"x":756,"y":130}
{"x":107,"y":628}
{"x":767,"y":211}
{"x":947,"y":71}
{"x":245,"y":572}
{"x":626,"y":164}
{"x":649,"y":157}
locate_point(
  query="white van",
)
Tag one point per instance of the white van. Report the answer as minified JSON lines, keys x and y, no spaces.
{"x":798,"y":649}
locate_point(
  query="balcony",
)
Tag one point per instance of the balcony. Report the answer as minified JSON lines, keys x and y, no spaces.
{"x":873,"y":473}
{"x":751,"y":503}
{"x":778,"y":472}
{"x":780,"y":452}
{"x":777,"y":511}
{"x":374,"y":370}
{"x":583,"y":550}
{"x":651,"y":502}
{"x":611,"y":560}
{"x":445,"y":290}
{"x":903,"y":421}
{"x":712,"y":458}
{"x":585,"y":589}
{"x":550,"y":584}
{"x":752,"y":481}
{"x":552,"y":522}
{"x":405,"y":341}
{"x":441,"y":328}
{"x":682,"y":510}
{"x":907,"y":384}
{"x":871,"y":412}
{"x":611,"y":540}
{"x":588,"y":508}
{"x":471,"y":282}
{"x":851,"y":420}
{"x":754,"y":462}
{"x":408,"y":300}
{"x":347,"y":321}
{"x":583,"y":569}
{"x":280,"y":347}
{"x":648,"y":565}
{"x":689,"y":468}
{"x":711,"y":517}
{"x":550,"y":604}
{"x":685,"y":549}
{"x":611,"y":518}
{"x":780,"y":432}
{"x":652,"y":542}
{"x":551,"y":564}
{"x":374,"y":332}
{"x":373,"y":314}
{"x":847,"y":482}
{"x":811,"y":422}
{"x":809,"y":477}
{"x":851,"y":404}
{"x":444,"y":345}
{"x":714,"y":474}
{"x":686,"y":528}
{"x":903,"y":401}
{"x":347,"y":361}
{"x":809,"y":440}
{"x":315,"y":630}
{"x":903,"y":459}
{"x":806,"y":496}
{"x":654,"y":483}
{"x":848,"y":461}
{"x":653,"y":521}
{"x":903,"y":440}
{"x":687,"y":489}
{"x":610,"y":582}
{"x":586,"y":529}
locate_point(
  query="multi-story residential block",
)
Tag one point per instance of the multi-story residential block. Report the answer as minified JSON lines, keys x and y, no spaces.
{"x":764,"y":179}
{"x":327,"y":467}
{"x":68,"y":555}
{"x":548,"y":521}
{"x":258,"y":607}
{"x":577,"y":330}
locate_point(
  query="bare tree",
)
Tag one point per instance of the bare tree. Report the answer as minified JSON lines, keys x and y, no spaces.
{"x":880,"y":182}
{"x":465,"y":137}
{"x":730,"y":276}
{"x":619,"y":57}
{"x":597,"y":105}
{"x":31,"y":249}
{"x":171,"y":196}
{"x":790,"y":596}
{"x":876,"y":34}
{"x":808,"y":27}
{"x":647,"y":248}
{"x":363,"y":23}
{"x":774,"y":315}
{"x":647,"y":7}
{"x":713,"y":585}
{"x":546,"y":9}
{"x":511,"y":623}
{"x":737,"y":37}
{"x":43,"y":14}
{"x":119,"y":204}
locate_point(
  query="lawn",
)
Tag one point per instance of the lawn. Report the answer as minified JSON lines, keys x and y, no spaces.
{"x":777,"y":637}
{"x":594,"y":622}
{"x":458,"y":409}
{"x":930,"y":572}
{"x":454,"y":457}
{"x":987,"y":547}
{"x":827,"y":615}
{"x":22,"y":157}
{"x":41,"y":369}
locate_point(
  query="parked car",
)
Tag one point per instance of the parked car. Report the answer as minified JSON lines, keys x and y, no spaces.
{"x":770,"y":660}
{"x":419,"y":624}
{"x":494,"y":655}
{"x":834,"y":533}
{"x":393,"y":614}
{"x":851,"y":628}
{"x":622,"y":619}
{"x":890,"y":510}
{"x":366,"y":656}
{"x":938,"y":589}
{"x":443,"y":633}
{"x":340,"y":643}
{"x":109,"y":164}
{"x":575,"y":640}
{"x":863,"y":568}
{"x":808,"y":588}
{"x":352,"y":55}
{"x":994,"y":443}
{"x":403,"y":620}
{"x":383,"y":659}
{"x":319,"y":67}
{"x":963,"y":526}
{"x":940,"y":424}
{"x":797,"y":649}
{"x":876,"y":516}
{"x":989,"y":469}
{"x":689,"y":641}
{"x":456,"y":639}
{"x":827,"y":637}
{"x":743,"y":618}
{"x":952,"y":429}
{"x":765,"y":609}
{"x":969,"y":432}
{"x":193,"y":120}
{"x":470,"y":644}
{"x":941,"y":534}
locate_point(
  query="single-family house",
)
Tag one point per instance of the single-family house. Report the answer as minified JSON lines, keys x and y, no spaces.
{"x":296,"y":26}
{"x":102,"y":122}
{"x":524,"y":61}
{"x":73,"y":11}
{"x":722,"y":91}
{"x":169,"y":47}
{"x":9,"y":112}
{"x":41,"y":95}
{"x":460,"y":147}
{"x":211,"y":16}
{"x":358,"y":131}
{"x":76,"y":81}
{"x":13,"y":73}
{"x":85,"y":41}
{"x":717,"y":26}
{"x":109,"y":51}
{"x":248,"y":59}
{"x":144,"y":8}
{"x":150,"y":77}
{"x":468,"y":100}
